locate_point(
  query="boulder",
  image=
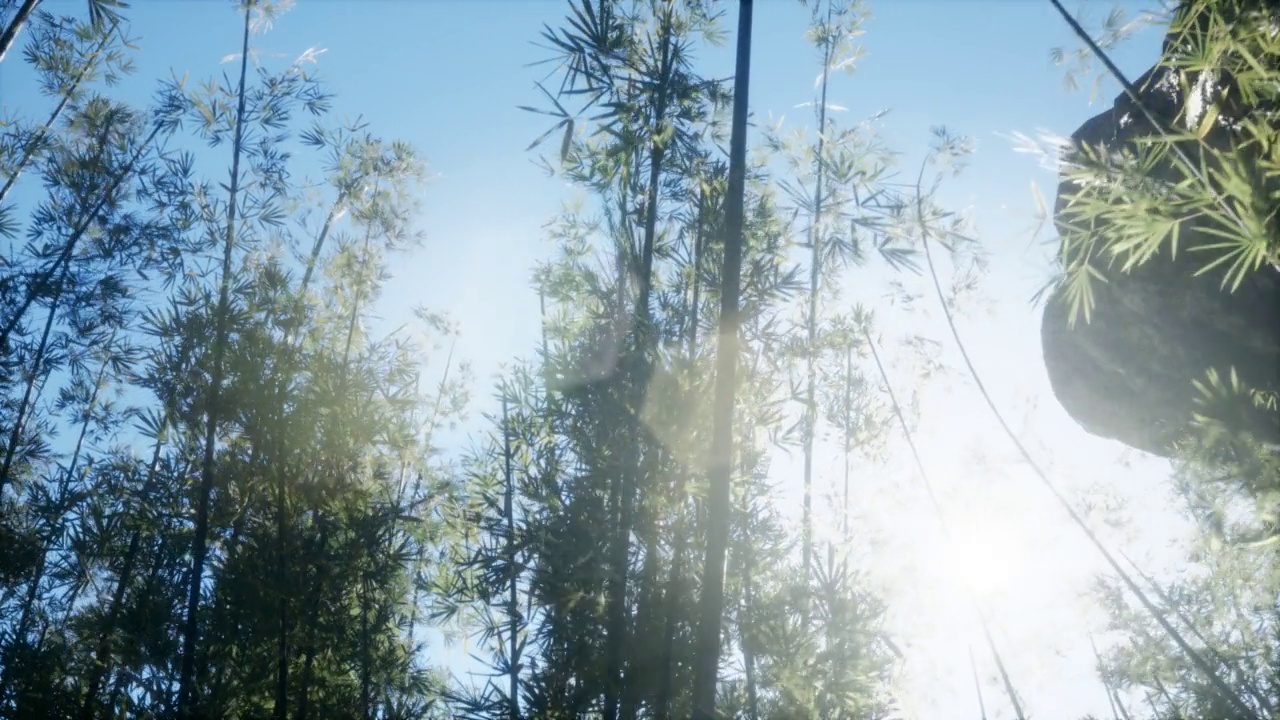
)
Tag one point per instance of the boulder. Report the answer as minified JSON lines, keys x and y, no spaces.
{"x":1127,"y":373}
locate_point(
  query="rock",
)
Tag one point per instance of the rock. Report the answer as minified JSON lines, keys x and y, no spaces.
{"x":1127,"y":374}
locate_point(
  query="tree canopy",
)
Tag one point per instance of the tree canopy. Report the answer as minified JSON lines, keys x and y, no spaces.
{"x":230,"y":489}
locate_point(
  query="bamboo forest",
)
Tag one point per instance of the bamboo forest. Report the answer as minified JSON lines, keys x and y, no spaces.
{"x":640,"y":359}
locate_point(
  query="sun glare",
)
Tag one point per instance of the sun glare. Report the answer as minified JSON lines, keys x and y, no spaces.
{"x":983,"y":553}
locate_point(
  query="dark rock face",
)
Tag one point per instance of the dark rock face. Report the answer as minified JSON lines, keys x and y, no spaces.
{"x":1127,"y":374}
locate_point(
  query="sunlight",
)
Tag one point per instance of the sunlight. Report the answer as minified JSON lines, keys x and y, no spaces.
{"x":984,"y":552}
{"x":982,"y":557}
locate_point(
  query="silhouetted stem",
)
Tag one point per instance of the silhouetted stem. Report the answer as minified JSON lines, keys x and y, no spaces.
{"x":711,"y":606}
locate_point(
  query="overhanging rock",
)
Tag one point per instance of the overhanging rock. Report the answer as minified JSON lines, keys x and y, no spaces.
{"x":1127,"y":374}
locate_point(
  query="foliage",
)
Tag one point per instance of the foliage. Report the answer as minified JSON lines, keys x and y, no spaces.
{"x":1212,"y":176}
{"x":1204,"y":186}
{"x":320,"y":517}
{"x":224,"y":491}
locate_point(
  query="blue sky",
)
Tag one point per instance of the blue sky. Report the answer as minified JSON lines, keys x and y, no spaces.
{"x":447,"y":75}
